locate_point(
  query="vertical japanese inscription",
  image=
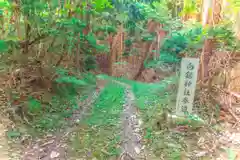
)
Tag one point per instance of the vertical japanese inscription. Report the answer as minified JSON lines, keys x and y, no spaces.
{"x":187,"y":85}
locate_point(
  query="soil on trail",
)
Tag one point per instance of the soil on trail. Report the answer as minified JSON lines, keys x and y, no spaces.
{"x":205,"y":145}
{"x":3,"y":144}
{"x":131,"y":135}
{"x":54,"y":147}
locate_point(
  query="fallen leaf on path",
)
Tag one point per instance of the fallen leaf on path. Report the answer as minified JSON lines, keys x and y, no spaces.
{"x":137,"y":150}
{"x":54,"y":154}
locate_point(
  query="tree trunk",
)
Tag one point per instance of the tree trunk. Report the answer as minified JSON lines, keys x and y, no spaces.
{"x":209,"y":18}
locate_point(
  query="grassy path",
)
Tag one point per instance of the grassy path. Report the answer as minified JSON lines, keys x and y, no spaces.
{"x":98,"y":135}
{"x":112,"y":129}
{"x":105,"y":127}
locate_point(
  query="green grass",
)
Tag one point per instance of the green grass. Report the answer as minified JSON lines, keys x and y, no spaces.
{"x":108,"y":106}
{"x":146,"y":94}
{"x":151,"y":99}
{"x":98,"y":135}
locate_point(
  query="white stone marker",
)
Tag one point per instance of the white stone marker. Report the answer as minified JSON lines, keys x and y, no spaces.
{"x":187,"y":85}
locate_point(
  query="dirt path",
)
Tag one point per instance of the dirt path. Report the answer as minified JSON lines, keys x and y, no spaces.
{"x":3,"y":144}
{"x":53,"y":147}
{"x":131,"y":135}
{"x":132,"y":149}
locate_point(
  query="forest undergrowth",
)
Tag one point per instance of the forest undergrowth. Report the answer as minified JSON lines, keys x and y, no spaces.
{"x":55,"y":54}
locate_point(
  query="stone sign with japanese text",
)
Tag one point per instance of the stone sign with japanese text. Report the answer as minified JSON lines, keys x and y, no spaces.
{"x":187,"y":85}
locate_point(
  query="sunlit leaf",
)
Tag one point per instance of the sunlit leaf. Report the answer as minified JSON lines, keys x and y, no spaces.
{"x":4,"y":4}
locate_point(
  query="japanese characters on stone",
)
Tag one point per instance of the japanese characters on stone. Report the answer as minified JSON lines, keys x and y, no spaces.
{"x":187,"y":84}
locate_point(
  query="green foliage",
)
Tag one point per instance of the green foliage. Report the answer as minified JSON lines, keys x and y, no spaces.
{"x":54,"y":115}
{"x":90,"y":62}
{"x":190,"y":39}
{"x":224,"y":35}
{"x":72,"y":80}
{"x":101,"y":5}
{"x":179,"y":41}
{"x":148,"y":37}
{"x":13,"y":134}
{"x":52,"y":21}
{"x":61,"y":106}
{"x":128,"y":42}
{"x":3,"y":46}
{"x":3,"y":4}
{"x":148,"y":94}
{"x":190,"y":7}
{"x":106,"y":28}
{"x":159,"y":12}
{"x":34,"y":105}
{"x":63,"y":30}
{"x":234,"y":5}
{"x":184,"y":39}
{"x":70,"y":85}
{"x":145,"y":94}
